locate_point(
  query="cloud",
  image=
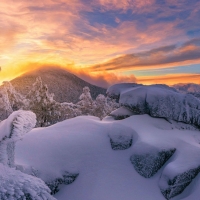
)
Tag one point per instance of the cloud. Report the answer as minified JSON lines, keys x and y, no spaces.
{"x":147,"y":34}
{"x":170,"y":79}
{"x":105,"y":79}
{"x":155,"y":58}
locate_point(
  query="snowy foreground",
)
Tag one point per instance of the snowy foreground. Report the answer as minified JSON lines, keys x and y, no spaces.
{"x":148,"y":149}
{"x":81,"y":148}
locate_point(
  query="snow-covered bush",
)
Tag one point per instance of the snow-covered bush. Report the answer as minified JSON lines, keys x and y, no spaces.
{"x":15,"y":185}
{"x":11,"y":130}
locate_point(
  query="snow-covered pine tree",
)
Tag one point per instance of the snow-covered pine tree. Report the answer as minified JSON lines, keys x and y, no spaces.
{"x":103,"y":106}
{"x":41,"y":102}
{"x":12,"y":129}
{"x":17,"y":101}
{"x":5,"y":106}
{"x":68,"y":110}
{"x":86,"y":103}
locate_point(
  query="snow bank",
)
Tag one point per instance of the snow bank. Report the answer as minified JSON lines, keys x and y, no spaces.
{"x":159,"y":101}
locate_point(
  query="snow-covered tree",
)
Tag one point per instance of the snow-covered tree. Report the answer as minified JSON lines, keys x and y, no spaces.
{"x":103,"y":106}
{"x":47,"y":110}
{"x":68,"y":110}
{"x":5,"y":106}
{"x":15,"y":184}
{"x":86,"y":103}
{"x":41,"y":102}
{"x":17,"y":101}
{"x":12,"y":129}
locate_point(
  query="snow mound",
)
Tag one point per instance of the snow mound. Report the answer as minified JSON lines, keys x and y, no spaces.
{"x":75,"y":158}
{"x":16,"y":185}
{"x":159,"y":101}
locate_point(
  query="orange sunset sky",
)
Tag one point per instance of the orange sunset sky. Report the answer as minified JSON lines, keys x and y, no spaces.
{"x":103,"y":41}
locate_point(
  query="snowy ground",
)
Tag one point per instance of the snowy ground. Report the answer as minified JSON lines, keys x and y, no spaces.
{"x":82,"y":146}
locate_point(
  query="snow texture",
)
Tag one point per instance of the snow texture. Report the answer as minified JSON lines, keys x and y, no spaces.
{"x":159,"y":101}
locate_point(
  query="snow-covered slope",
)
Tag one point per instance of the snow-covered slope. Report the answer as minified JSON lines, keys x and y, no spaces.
{"x":140,"y":158}
{"x":66,"y":86}
{"x":158,"y":101}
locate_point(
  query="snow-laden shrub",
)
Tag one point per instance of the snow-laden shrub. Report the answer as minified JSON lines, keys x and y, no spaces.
{"x":12,"y":129}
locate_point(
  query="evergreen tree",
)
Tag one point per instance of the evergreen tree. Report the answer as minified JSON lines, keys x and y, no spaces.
{"x":5,"y":106}
{"x":86,"y":103}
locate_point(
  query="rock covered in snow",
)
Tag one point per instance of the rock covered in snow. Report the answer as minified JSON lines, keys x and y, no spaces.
{"x":121,"y":113}
{"x":66,"y":179}
{"x":115,"y":90}
{"x":147,"y":160}
{"x":121,"y":137}
{"x":179,"y":173}
{"x":159,"y":101}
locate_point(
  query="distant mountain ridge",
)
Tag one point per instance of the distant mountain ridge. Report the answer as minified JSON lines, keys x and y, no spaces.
{"x":188,"y":87}
{"x":66,"y":86}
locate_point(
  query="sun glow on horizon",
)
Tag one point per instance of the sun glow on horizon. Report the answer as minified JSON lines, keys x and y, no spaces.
{"x":103,"y":42}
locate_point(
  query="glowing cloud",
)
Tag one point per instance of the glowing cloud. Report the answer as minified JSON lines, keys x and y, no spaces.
{"x":103,"y":38}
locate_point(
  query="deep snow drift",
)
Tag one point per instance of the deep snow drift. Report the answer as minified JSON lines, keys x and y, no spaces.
{"x":106,"y":159}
